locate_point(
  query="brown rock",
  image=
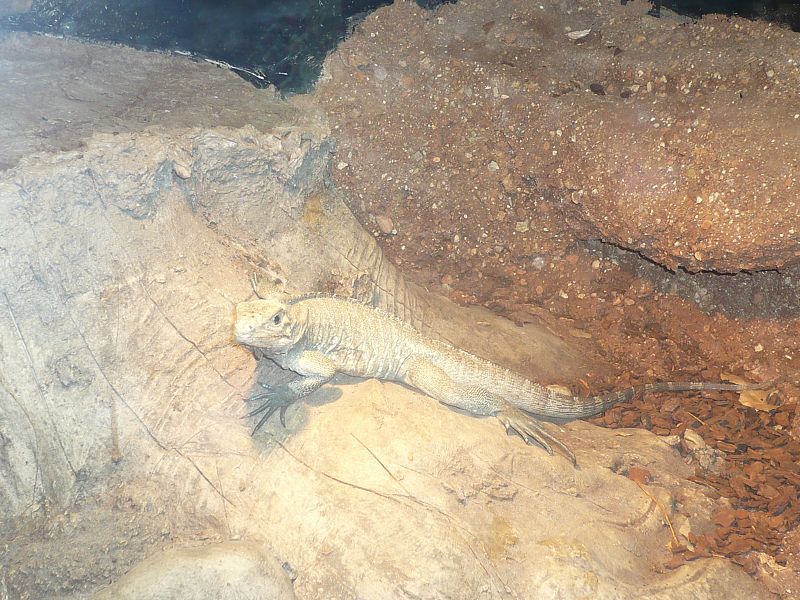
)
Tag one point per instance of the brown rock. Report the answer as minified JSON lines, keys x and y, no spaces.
{"x":385,"y":224}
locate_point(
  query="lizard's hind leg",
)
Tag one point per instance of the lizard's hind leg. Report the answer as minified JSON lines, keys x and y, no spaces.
{"x":436,"y":383}
{"x":531,"y":431}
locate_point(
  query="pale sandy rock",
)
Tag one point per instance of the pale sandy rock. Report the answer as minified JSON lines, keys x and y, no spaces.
{"x":230,"y":571}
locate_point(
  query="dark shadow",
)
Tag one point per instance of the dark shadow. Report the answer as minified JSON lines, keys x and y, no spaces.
{"x":268,"y":42}
{"x":785,"y":12}
{"x":765,"y":294}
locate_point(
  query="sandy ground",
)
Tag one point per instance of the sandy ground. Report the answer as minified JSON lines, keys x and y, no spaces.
{"x":558,"y":181}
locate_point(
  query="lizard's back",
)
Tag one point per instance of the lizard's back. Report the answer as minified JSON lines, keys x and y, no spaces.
{"x":369,"y":342}
{"x":363,"y":341}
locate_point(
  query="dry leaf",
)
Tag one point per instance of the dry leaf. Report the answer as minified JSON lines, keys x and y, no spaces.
{"x":756,"y":399}
{"x":640,"y":475}
{"x":759,"y":399}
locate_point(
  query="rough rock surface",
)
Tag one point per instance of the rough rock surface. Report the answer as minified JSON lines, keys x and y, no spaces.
{"x":80,"y":104}
{"x":121,"y":395}
{"x":674,"y":139}
{"x":196,"y":572}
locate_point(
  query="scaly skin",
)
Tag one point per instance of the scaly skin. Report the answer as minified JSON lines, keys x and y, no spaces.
{"x":318,"y":337}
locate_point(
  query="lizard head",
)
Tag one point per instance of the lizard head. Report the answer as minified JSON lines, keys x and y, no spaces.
{"x":266,"y":324}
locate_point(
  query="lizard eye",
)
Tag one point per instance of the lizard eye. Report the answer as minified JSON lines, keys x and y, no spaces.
{"x":276,"y":320}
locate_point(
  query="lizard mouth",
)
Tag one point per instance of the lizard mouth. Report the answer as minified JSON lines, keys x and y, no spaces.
{"x":241,"y":337}
{"x":247,"y":333}
{"x":244,"y":329}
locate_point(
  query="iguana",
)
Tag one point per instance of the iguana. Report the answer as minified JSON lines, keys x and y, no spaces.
{"x":320,"y":336}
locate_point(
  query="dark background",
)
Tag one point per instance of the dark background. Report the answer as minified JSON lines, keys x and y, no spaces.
{"x":284,"y":42}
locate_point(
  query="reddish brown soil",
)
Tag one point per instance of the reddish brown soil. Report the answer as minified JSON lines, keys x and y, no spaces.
{"x":453,"y":127}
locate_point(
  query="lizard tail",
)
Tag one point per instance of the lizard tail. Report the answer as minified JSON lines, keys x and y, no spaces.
{"x":579,"y":407}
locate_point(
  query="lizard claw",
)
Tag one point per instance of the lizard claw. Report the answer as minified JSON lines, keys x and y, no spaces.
{"x":531,"y":431}
{"x":265,"y":418}
{"x":277,"y":399}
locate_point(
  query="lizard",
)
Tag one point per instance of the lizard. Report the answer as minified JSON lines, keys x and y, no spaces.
{"x":318,"y":336}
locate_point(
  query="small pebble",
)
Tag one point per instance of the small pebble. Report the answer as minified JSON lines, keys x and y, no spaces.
{"x":577,"y":35}
{"x":597,"y":88}
{"x":384,"y":224}
{"x":182,"y":171}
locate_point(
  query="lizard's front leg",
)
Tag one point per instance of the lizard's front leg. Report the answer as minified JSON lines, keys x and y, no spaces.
{"x":315,"y":370}
{"x":435,"y":382}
